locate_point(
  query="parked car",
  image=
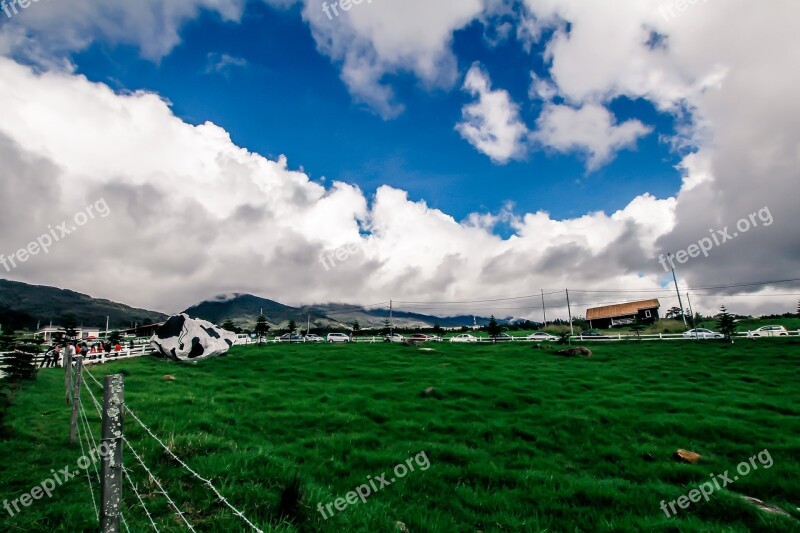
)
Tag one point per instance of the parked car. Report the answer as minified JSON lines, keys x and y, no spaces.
{"x":289,"y":337}
{"x":419,"y":337}
{"x":592,"y":334}
{"x":394,"y":337}
{"x":338,"y":337}
{"x":540,"y":336}
{"x":702,"y":333}
{"x":464,"y":337}
{"x":769,"y":331}
{"x":313,"y":338}
{"x":436,"y":338}
{"x":502,"y":337}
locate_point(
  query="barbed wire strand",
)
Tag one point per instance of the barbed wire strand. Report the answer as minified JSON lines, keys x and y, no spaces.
{"x":205,"y":481}
{"x":127,"y":476}
{"x":195,"y":474}
{"x":158,"y":483}
{"x":124,"y":470}
{"x":87,"y":430}
{"x":88,"y":475}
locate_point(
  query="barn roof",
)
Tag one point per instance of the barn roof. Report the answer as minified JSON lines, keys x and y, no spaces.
{"x":630,"y":308}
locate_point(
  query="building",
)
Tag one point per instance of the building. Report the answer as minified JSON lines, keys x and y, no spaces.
{"x":624,"y":314}
{"x":48,"y":332}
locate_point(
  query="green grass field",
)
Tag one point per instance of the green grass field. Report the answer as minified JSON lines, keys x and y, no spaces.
{"x":517,"y":439}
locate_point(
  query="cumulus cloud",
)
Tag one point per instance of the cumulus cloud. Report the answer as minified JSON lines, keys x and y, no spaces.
{"x":492,"y":124}
{"x":46,"y":32}
{"x":195,"y":215}
{"x":590,"y":129}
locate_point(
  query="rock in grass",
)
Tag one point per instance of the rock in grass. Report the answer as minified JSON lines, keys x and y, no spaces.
{"x":766,"y":507}
{"x":577,"y":351}
{"x":401,"y":527}
{"x":168,"y":378}
{"x":685,"y":456}
{"x":430,"y":392}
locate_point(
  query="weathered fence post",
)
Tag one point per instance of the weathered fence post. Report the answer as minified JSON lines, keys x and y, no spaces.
{"x":76,"y":395}
{"x":67,"y":375}
{"x":111,"y":447}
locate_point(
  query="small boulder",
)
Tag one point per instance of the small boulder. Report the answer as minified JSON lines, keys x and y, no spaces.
{"x":168,"y":378}
{"x":430,"y":392}
{"x":685,"y":456}
{"x":577,"y":351}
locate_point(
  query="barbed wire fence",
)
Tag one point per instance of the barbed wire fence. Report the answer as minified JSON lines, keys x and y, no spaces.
{"x":106,"y":481}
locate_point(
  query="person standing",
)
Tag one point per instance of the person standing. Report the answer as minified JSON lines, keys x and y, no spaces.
{"x":56,"y":355}
{"x":48,"y":358}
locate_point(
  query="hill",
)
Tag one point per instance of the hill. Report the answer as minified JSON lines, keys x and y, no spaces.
{"x":243,"y":310}
{"x":24,"y":305}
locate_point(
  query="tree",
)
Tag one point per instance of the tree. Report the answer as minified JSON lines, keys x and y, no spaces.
{"x":493,"y":328}
{"x":638,"y":327}
{"x":228,"y":325}
{"x":356,"y":328}
{"x":261,"y":328}
{"x":70,"y":327}
{"x":387,"y":328}
{"x":675,"y":312}
{"x":726,"y":323}
{"x":437,"y":329}
{"x":292,"y":328}
{"x":114,"y":337}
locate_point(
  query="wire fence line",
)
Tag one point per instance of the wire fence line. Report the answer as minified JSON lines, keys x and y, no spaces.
{"x":126,"y":473}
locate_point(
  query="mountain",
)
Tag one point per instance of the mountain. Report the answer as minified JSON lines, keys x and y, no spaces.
{"x":243,"y":311}
{"x":23,"y":305}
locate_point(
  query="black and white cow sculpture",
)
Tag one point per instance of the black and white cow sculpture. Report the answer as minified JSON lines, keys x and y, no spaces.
{"x":188,"y":339}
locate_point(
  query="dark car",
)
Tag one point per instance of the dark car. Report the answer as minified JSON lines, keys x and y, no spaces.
{"x":503,"y":337}
{"x":419,"y":337}
{"x":592,"y":334}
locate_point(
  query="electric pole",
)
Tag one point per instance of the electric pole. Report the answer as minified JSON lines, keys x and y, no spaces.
{"x":544,"y":310}
{"x":391,"y":324}
{"x":691,"y":311}
{"x":677,"y":290}
{"x":569,"y":310}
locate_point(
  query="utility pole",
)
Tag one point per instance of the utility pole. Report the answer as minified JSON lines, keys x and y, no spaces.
{"x":544,"y":310}
{"x":308,"y":324}
{"x":569,"y":310}
{"x":691,"y":311}
{"x":677,"y":290}
{"x":391,"y":324}
{"x":107,"y":327}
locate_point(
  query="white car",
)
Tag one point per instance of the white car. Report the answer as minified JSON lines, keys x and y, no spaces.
{"x":769,"y":331}
{"x":540,"y":336}
{"x":702,"y":333}
{"x":313,"y":338}
{"x":464,"y":337}
{"x":338,"y":337}
{"x":394,"y":337}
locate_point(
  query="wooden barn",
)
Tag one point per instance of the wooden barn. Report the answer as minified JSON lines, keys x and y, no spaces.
{"x":624,"y":314}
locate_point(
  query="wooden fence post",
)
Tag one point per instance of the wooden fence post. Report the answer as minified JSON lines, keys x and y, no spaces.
{"x":67,"y":375}
{"x":111,"y":477}
{"x":76,"y":395}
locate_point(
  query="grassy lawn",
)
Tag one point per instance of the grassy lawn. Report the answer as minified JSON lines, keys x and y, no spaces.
{"x":517,"y":439}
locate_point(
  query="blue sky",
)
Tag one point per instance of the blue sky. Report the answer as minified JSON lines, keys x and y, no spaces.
{"x":289,"y":99}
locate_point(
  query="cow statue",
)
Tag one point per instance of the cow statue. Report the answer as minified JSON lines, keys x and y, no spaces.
{"x":181,"y":338}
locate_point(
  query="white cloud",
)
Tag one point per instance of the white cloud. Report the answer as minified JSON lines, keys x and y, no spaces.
{"x":590,"y":129}
{"x":46,"y":32}
{"x":492,"y":124}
